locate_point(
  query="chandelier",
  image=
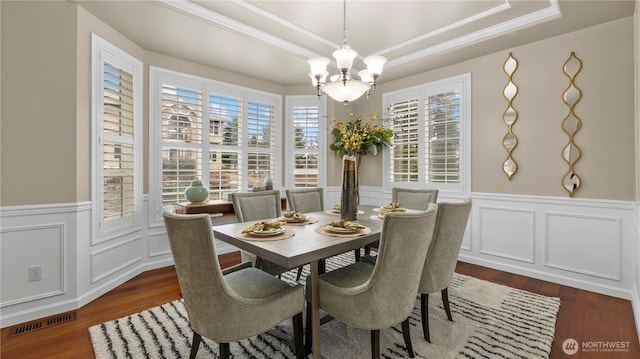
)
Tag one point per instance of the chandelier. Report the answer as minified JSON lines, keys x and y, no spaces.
{"x":343,"y":87}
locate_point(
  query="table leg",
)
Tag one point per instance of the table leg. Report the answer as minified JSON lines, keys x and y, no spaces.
{"x":315,"y":310}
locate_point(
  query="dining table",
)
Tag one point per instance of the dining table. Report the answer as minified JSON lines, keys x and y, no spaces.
{"x":305,"y":243}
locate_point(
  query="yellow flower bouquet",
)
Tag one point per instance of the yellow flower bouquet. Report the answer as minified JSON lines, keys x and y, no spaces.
{"x":355,"y":138}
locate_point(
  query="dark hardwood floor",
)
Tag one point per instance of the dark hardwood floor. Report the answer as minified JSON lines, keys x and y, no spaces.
{"x":584,"y":316}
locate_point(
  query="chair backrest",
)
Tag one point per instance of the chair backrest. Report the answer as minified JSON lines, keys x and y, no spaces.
{"x":443,"y":254}
{"x":414,"y":198}
{"x":207,"y":297}
{"x":253,"y":206}
{"x":404,"y":242}
{"x":305,"y":200}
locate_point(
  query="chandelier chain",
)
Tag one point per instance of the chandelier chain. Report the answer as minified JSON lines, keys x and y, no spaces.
{"x":344,"y":22}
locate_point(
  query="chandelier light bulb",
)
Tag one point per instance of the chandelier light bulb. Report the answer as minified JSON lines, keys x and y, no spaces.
{"x":318,"y":65}
{"x":365,"y":76}
{"x":374,"y":64}
{"x":344,"y":57}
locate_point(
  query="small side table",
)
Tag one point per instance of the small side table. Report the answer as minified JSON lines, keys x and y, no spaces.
{"x":214,"y":207}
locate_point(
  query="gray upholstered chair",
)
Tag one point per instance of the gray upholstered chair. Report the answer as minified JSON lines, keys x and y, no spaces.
{"x":255,"y":206}
{"x":385,"y":290}
{"x":410,"y":198}
{"x":414,"y":198}
{"x":442,"y":257}
{"x":305,"y":200}
{"x":242,"y":303}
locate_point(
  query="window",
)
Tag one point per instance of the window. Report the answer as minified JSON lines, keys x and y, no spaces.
{"x":225,"y":135}
{"x":431,"y":142}
{"x":117,"y":140}
{"x":306,"y":123}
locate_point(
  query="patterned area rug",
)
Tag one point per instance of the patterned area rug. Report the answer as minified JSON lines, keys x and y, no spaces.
{"x":490,"y":321}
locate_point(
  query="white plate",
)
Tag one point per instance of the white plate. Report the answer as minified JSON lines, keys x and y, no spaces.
{"x":292,"y":220}
{"x":399,"y":209}
{"x":268,"y":232}
{"x":331,"y":228}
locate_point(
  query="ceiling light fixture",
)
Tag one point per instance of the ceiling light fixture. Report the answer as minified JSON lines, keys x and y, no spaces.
{"x":343,"y":87}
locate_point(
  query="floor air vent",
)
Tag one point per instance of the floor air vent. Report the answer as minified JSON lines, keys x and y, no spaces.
{"x":29,"y":327}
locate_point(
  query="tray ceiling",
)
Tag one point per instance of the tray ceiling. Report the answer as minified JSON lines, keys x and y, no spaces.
{"x":271,"y":40}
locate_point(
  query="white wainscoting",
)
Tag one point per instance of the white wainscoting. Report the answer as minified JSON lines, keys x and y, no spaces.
{"x":588,"y":244}
{"x":74,"y":271}
{"x":582,"y":243}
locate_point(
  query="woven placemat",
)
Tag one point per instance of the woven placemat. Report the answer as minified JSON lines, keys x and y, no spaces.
{"x":287,"y":233}
{"x":337,"y":213}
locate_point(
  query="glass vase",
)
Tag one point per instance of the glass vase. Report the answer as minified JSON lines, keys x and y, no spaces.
{"x":349,"y":198}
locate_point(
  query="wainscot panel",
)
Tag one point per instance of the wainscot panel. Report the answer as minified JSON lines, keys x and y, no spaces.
{"x":507,"y":232}
{"x":38,"y":249}
{"x":587,"y":244}
{"x":112,"y":259}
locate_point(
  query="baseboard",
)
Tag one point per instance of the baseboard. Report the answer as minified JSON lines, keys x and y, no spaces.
{"x":86,"y":298}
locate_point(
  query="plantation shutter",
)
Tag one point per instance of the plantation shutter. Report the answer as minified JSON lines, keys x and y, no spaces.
{"x":442,"y":131}
{"x":182,"y":136}
{"x":404,"y":153}
{"x":306,"y":127}
{"x":118,"y":143}
{"x":261,"y":142}
{"x":225,"y":139}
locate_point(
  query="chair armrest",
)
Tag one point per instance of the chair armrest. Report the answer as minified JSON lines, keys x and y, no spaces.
{"x":237,"y":267}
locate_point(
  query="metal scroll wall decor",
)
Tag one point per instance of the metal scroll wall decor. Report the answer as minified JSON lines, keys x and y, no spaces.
{"x":510,"y":116}
{"x":571,"y":124}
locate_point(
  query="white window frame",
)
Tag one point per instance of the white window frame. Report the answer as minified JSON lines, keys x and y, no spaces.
{"x":158,"y":76}
{"x":461,"y":83}
{"x":101,"y":51}
{"x":305,"y":101}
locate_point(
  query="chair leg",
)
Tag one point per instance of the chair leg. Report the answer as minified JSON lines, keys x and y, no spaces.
{"x":445,"y":302}
{"x":424,"y":314}
{"x":375,"y":344}
{"x":195,"y":345}
{"x":299,"y":274}
{"x":307,"y":331}
{"x":406,"y":333}
{"x":297,"y":335}
{"x":224,"y":350}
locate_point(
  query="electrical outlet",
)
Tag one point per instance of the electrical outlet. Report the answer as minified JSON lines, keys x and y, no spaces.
{"x":35,"y":273}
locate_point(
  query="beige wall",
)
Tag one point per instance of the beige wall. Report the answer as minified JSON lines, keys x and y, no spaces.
{"x":50,"y":129}
{"x":607,"y":166}
{"x":636,"y":42}
{"x":38,"y":102}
